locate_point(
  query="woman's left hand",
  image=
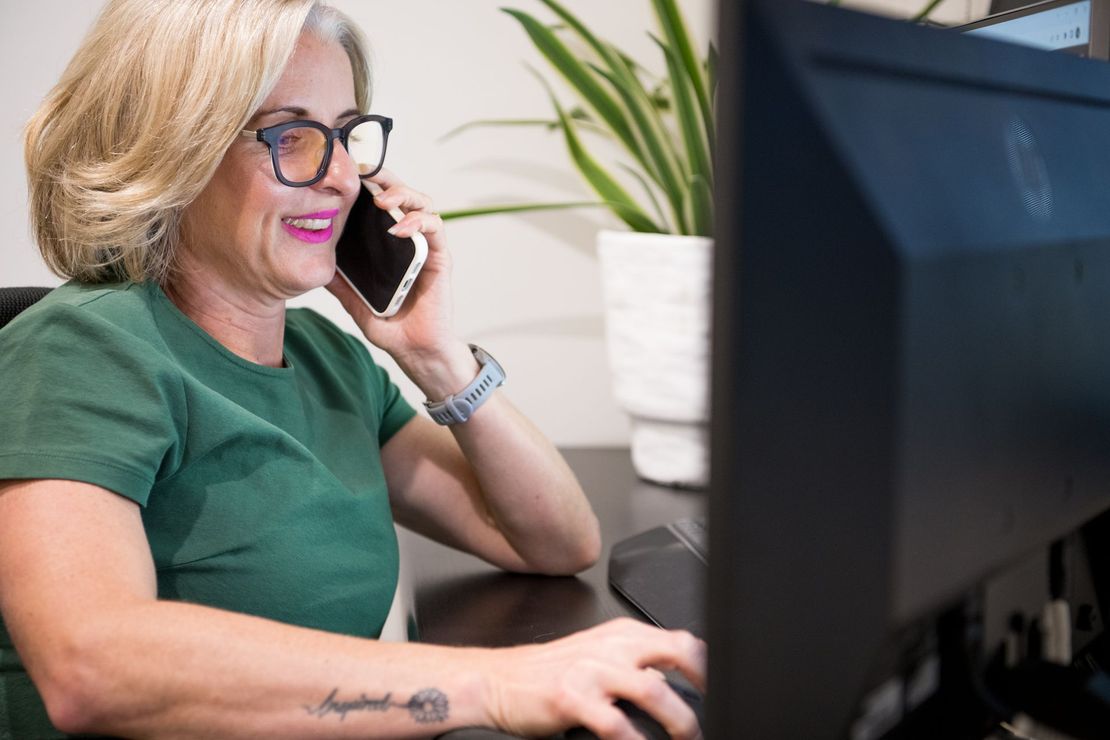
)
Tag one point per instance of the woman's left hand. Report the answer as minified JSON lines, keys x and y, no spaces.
{"x":420,"y":334}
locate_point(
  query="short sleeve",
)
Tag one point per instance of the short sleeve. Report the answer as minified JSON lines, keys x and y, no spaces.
{"x":83,"y":399}
{"x":396,"y":411}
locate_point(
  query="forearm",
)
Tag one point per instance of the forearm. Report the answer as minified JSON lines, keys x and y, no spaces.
{"x":527,"y":489}
{"x":162,"y":668}
{"x":530,"y":491}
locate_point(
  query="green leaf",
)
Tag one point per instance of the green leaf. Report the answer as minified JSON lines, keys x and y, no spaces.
{"x":689,"y":122}
{"x":522,"y":122}
{"x":519,"y":208}
{"x":700,"y":205}
{"x":662,"y":162}
{"x":713,"y":65}
{"x":647,"y":189}
{"x":652,"y":150}
{"x":926,"y":11}
{"x":580,"y":116}
{"x":578,"y":26}
{"x":678,"y":38}
{"x":577,"y":75}
{"x":623,"y":204}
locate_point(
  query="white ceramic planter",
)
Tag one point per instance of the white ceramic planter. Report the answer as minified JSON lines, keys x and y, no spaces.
{"x":657,"y":289}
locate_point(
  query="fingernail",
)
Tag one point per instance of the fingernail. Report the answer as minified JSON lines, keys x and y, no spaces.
{"x":393,"y":229}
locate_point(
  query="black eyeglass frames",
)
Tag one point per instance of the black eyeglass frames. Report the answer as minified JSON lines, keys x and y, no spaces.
{"x":301,"y":150}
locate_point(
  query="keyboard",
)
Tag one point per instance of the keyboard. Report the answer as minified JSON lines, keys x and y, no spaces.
{"x":662,"y":573}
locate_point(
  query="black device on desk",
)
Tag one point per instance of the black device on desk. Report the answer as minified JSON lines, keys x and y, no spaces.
{"x":911,"y":369}
{"x":662,"y":572}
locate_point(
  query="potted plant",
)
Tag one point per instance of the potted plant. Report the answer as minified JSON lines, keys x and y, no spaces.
{"x":656,"y":273}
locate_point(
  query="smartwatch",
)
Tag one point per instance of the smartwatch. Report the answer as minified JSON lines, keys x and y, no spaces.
{"x":457,"y":408}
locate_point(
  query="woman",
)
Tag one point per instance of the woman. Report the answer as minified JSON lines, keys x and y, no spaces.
{"x":198,"y":490}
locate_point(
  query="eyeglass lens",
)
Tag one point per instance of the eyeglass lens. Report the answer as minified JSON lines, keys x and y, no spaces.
{"x":301,"y":150}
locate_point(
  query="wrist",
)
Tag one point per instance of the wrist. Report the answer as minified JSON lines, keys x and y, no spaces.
{"x":458,"y":407}
{"x":477,"y":686}
{"x":494,"y":666}
{"x":440,"y":373}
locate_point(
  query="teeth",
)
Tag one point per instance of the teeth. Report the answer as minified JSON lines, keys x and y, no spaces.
{"x":309,"y":224}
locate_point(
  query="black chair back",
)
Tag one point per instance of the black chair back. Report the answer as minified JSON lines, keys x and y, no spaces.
{"x":14,"y":300}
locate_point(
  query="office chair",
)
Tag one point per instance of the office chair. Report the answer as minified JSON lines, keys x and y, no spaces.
{"x":14,"y":300}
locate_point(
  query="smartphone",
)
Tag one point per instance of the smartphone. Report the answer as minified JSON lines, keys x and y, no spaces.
{"x":379,"y":266}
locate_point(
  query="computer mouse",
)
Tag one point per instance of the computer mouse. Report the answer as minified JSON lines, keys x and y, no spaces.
{"x":644,"y":722}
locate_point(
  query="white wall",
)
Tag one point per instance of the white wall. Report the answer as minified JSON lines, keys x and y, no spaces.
{"x":526,"y":287}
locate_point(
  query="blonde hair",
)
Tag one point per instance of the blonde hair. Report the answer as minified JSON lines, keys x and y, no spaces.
{"x":142,"y":116}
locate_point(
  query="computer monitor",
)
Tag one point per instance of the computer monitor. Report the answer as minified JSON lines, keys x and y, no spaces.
{"x":1079,"y":27}
{"x":911,"y":340}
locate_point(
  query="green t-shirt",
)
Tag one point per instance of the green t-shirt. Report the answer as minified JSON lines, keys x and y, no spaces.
{"x":261,"y":488}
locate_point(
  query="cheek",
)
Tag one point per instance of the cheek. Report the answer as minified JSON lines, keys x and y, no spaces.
{"x":248,"y":203}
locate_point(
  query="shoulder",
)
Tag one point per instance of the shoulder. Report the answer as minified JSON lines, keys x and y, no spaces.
{"x":77,"y":306}
{"x":80,"y":328}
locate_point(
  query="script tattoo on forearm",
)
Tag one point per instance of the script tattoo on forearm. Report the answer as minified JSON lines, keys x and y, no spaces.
{"x":426,"y":706}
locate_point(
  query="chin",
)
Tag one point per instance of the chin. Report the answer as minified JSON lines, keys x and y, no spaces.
{"x":315,"y":274}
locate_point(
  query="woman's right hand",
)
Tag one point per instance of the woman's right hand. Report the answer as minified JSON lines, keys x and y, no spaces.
{"x":538,"y":690}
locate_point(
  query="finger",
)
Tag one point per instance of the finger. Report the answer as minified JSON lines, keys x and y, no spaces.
{"x":371,"y":186}
{"x":651,"y":693}
{"x":610,"y":723}
{"x":403,"y":198}
{"x":414,"y":221}
{"x":693,"y":658}
{"x":395,"y":194}
{"x":677,"y":650}
{"x":653,"y":646}
{"x":385,"y":179}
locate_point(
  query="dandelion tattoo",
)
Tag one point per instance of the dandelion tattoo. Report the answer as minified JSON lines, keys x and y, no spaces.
{"x":426,"y":706}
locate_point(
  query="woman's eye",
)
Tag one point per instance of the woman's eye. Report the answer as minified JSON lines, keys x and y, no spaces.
{"x":289,"y":140}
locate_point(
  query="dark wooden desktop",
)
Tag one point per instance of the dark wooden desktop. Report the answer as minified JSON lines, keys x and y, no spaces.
{"x":460,"y":600}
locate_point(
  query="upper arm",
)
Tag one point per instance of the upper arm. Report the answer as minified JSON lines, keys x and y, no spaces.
{"x":434,"y":491}
{"x":68,"y":551}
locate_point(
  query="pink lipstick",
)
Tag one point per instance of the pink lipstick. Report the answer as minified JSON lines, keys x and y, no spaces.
{"x":314,"y":228}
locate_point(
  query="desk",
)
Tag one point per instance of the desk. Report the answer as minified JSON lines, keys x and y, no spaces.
{"x":460,"y":600}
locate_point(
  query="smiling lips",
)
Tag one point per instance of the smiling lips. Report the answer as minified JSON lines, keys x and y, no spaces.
{"x":314,"y":228}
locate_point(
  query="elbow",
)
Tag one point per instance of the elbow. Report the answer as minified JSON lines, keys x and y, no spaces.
{"x":590,"y":547}
{"x":66,"y":711}
{"x":581,"y":551}
{"x":73,"y":686}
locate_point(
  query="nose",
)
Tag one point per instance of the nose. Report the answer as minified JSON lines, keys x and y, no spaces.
{"x":342,"y":173}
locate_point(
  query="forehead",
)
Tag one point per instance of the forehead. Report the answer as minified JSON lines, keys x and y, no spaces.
{"x":318,"y":78}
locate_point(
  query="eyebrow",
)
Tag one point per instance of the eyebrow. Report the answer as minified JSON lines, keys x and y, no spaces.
{"x":300,"y":112}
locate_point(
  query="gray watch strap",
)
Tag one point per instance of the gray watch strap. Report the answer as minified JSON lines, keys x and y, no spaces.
{"x":457,"y":408}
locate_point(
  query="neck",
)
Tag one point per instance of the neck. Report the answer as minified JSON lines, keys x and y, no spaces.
{"x":252,"y":329}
